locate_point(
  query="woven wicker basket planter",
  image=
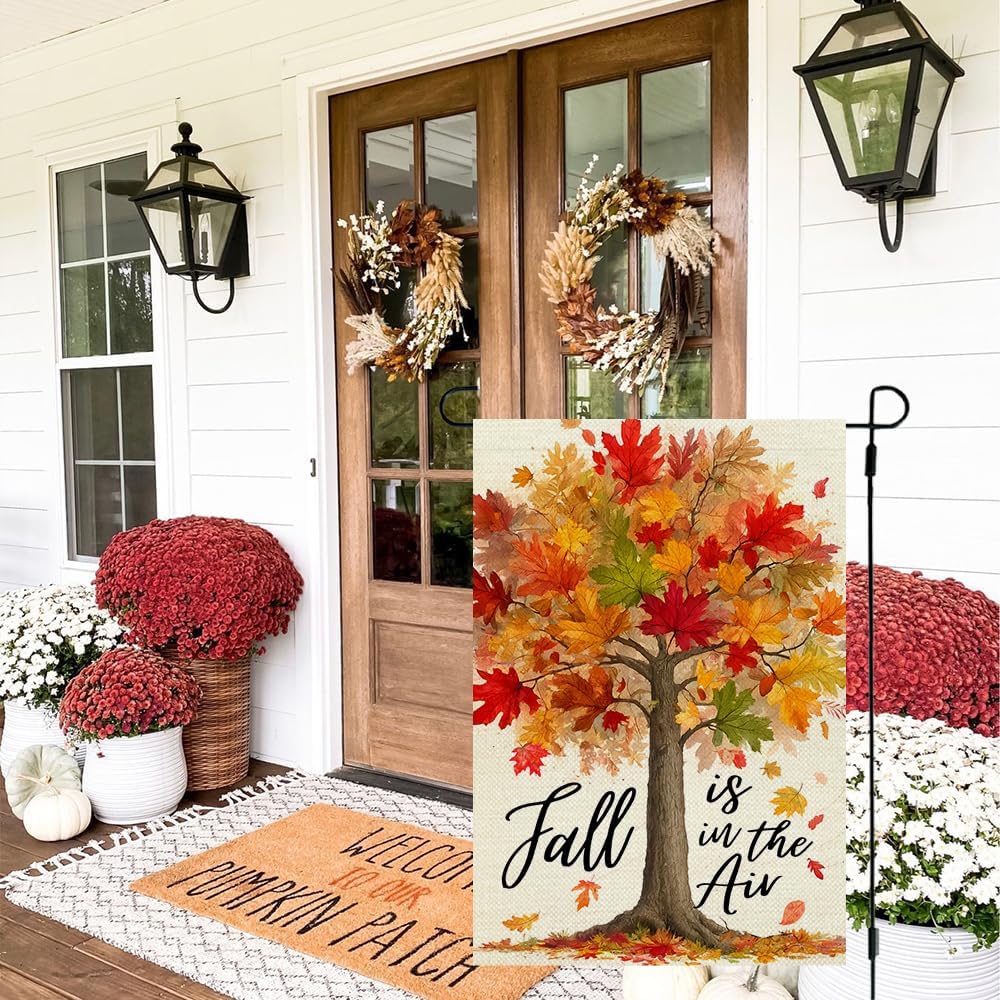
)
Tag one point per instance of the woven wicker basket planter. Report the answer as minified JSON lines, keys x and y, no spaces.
{"x":217,"y":743}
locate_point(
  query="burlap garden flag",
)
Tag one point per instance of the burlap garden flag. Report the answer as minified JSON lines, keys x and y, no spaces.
{"x":659,"y":681}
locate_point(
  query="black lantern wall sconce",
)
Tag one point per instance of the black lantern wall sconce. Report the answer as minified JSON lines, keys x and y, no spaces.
{"x":196,"y":219}
{"x":879,"y":85}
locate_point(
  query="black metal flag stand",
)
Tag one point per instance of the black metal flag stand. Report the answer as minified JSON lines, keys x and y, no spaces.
{"x":870,"y":466}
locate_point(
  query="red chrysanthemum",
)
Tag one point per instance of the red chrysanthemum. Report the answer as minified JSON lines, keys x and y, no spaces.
{"x":936,"y":648}
{"x":206,"y":587}
{"x":127,"y":692}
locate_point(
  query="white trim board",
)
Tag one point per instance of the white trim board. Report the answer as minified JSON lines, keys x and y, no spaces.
{"x":311,"y":77}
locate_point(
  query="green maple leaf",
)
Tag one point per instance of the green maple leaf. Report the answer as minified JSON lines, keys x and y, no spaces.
{"x":629,"y":577}
{"x":734,"y":722}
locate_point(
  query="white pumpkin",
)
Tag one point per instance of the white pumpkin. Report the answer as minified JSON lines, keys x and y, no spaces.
{"x":663,"y":982}
{"x":738,"y":986}
{"x":39,"y":769}
{"x":59,"y":814}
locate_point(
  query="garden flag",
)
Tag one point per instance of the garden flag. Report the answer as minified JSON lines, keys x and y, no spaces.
{"x":659,"y":690}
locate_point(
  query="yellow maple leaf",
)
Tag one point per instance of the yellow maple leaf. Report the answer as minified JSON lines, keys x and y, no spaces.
{"x":758,"y":620}
{"x":795,"y":705}
{"x":813,"y":668}
{"x":546,"y":729}
{"x":522,"y":924}
{"x":772,"y":769}
{"x":789,"y":801}
{"x":707,"y":680}
{"x":571,"y":537}
{"x":659,"y":504}
{"x":522,"y":476}
{"x":518,"y":626}
{"x":591,"y":624}
{"x":688,"y":717}
{"x":732,"y":576}
{"x":674,"y":559}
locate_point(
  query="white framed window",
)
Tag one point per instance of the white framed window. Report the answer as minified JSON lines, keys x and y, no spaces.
{"x":105,"y":354}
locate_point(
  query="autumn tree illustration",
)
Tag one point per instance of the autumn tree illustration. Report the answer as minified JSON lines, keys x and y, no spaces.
{"x":642,"y":599}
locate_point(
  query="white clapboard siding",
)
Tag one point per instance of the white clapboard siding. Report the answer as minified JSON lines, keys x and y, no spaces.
{"x":900,"y":322}
{"x":21,"y":334}
{"x":24,"y":527}
{"x":264,"y":406}
{"x":242,"y":453}
{"x":21,"y":565}
{"x":254,"y":498}
{"x":226,"y":360}
{"x":24,"y":411}
{"x":275,"y":736}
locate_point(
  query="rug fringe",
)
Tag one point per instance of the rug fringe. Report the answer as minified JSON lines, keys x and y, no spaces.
{"x":133,"y":834}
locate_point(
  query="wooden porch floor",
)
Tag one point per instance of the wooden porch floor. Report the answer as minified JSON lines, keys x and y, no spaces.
{"x":44,"y":960}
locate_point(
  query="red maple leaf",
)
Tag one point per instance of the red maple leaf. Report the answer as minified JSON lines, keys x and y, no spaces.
{"x":819,"y":490}
{"x":770,"y":527}
{"x":529,"y":758}
{"x":653,"y":533}
{"x":742,"y":655}
{"x":680,"y":616}
{"x":815,"y":821}
{"x":816,"y":551}
{"x":502,"y":694}
{"x":490,"y":597}
{"x":600,"y":462}
{"x":816,"y":868}
{"x":740,"y":758}
{"x":680,"y":457}
{"x":591,"y":693}
{"x":544,"y":568}
{"x":710,"y":553}
{"x":635,"y":461}
{"x":490,"y":514}
{"x":611,"y":720}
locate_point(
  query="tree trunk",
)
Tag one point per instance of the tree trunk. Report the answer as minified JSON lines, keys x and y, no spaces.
{"x":665,"y":901}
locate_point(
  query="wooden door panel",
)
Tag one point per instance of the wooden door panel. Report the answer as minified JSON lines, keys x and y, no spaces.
{"x":407,"y":648}
{"x":714,"y":32}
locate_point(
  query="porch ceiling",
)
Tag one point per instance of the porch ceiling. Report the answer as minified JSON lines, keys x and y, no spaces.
{"x":31,"y":22}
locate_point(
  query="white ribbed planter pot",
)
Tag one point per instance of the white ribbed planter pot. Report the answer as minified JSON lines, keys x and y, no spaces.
{"x":130,"y":779}
{"x":28,"y":727}
{"x":914,"y":963}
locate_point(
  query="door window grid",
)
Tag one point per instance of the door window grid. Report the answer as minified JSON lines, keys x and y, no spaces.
{"x":105,"y":495}
{"x":429,"y":495}
{"x":591,"y":393}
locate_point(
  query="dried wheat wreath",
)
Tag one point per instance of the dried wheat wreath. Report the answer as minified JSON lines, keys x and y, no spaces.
{"x":377,"y":247}
{"x":632,"y":347}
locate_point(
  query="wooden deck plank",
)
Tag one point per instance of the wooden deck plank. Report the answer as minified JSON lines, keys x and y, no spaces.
{"x":15,"y":987}
{"x":74,"y":974}
{"x":40,"y":925}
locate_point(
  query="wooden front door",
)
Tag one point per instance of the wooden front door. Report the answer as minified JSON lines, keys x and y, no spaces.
{"x":405,"y":458}
{"x":499,"y":145}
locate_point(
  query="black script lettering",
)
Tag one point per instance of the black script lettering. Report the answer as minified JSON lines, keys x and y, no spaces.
{"x":386,"y":940}
{"x":384,"y":920}
{"x":271,"y":908}
{"x":326,"y":912}
{"x":408,"y":848}
{"x":438,"y":931}
{"x":225,"y":866}
{"x":726,"y":835}
{"x":417,"y":968}
{"x":463,"y":963}
{"x":359,"y":846}
{"x":731,"y":884}
{"x":776,"y":842}
{"x":731,"y":791}
{"x":409,"y":866}
{"x":259,"y":884}
{"x":560,"y":847}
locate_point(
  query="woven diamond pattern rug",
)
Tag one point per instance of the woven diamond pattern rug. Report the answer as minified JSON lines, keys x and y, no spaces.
{"x":88,"y":889}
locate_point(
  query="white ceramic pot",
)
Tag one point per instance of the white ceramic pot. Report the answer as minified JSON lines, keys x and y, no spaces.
{"x":914,"y":963}
{"x":130,"y":779}
{"x":28,"y":727}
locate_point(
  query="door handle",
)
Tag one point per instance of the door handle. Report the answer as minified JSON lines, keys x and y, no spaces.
{"x":445,"y":395}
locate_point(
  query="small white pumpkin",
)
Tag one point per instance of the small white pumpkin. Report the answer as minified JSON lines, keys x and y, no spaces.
{"x":663,"y":982}
{"x":736,"y":986}
{"x":39,"y":769}
{"x":58,"y":814}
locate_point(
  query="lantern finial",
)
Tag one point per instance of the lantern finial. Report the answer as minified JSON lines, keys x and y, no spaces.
{"x":185,"y":147}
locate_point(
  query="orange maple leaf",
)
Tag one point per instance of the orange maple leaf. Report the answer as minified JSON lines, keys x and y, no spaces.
{"x":522,"y":476}
{"x":591,"y":625}
{"x":587,"y":893}
{"x":521,"y":924}
{"x":592,"y":694}
{"x":828,"y":613}
{"x":545,"y":569}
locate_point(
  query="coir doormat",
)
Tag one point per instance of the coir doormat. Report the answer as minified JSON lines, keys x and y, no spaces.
{"x":389,"y":900}
{"x":88,"y":888}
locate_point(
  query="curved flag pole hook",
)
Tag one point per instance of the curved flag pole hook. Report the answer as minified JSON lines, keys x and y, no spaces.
{"x":445,"y":395}
{"x":872,"y":426}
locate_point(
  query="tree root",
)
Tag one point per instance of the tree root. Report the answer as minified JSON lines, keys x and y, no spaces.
{"x":690,"y":924}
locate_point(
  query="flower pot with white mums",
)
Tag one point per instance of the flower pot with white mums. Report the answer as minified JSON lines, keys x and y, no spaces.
{"x":130,"y":706}
{"x":47,"y":636}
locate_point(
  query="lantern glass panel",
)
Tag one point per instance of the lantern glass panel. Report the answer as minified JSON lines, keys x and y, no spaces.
{"x":864,"y":109}
{"x":168,"y":172}
{"x":930,"y":106}
{"x":207,"y":174}
{"x":211,"y":221}
{"x":868,"y":29}
{"x":164,"y":220}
